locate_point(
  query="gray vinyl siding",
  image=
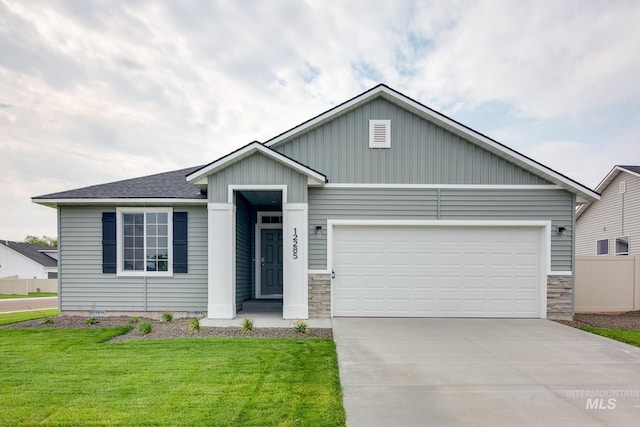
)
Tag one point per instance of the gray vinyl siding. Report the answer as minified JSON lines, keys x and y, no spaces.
{"x":83,"y":286}
{"x":604,"y":218}
{"x":258,"y":170}
{"x":243,"y":251}
{"x":445,"y":204}
{"x":420,"y":153}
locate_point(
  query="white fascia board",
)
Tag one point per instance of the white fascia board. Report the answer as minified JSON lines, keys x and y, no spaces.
{"x":483,"y":140}
{"x":447,"y":186}
{"x":199,"y":177}
{"x":583,"y":193}
{"x":319,"y":119}
{"x":613,"y":174}
{"x":607,"y":179}
{"x":128,"y":202}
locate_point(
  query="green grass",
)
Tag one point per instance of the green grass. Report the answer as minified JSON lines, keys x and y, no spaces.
{"x":624,"y":335}
{"x":21,"y":316}
{"x":72,"y":377}
{"x":30,"y":295}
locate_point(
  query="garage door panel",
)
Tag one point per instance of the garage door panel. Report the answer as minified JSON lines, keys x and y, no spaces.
{"x":437,"y":271}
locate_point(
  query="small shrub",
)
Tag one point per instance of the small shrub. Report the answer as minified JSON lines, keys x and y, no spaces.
{"x":47,"y":320}
{"x":300,"y":326}
{"x":91,"y":321}
{"x":145,"y":327}
{"x":247,"y":325}
{"x":194,"y":324}
{"x":167,"y":316}
{"x":134,"y":319}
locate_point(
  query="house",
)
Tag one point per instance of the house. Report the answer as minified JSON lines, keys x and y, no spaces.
{"x":611,"y":225}
{"x":26,"y":261}
{"x":379,"y":206}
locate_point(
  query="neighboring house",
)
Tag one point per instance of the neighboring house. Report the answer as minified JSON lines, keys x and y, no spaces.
{"x":611,"y":225}
{"x":27,"y":261}
{"x":377,"y":207}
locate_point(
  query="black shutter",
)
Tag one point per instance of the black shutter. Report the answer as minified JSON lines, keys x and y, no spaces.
{"x":180,"y":242}
{"x":108,"y":242}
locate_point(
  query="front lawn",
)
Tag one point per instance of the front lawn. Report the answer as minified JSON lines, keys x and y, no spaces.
{"x":74,"y":377}
{"x":30,"y":295}
{"x":628,"y":336}
{"x":22,"y":316}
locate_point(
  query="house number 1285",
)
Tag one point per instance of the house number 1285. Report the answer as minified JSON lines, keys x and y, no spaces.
{"x":295,"y":243}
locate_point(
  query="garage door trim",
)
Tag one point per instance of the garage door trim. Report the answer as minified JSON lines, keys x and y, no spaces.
{"x":545,"y":243}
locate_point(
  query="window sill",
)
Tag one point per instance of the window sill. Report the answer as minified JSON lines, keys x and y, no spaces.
{"x":144,"y":274}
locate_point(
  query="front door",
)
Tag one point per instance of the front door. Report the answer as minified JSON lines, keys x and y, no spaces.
{"x":271,"y":262}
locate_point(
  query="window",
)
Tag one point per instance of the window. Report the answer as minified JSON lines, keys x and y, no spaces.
{"x":144,"y":243}
{"x":271,"y":219}
{"x":379,"y":133}
{"x":602,"y":247}
{"x":622,"y":245}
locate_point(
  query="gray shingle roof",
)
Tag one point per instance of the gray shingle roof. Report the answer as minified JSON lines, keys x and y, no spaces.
{"x":167,"y":185}
{"x":32,"y":252}
{"x":635,"y":169}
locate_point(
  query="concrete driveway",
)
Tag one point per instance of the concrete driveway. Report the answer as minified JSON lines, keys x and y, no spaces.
{"x":484,"y":372}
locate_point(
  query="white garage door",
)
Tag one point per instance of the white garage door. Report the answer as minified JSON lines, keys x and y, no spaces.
{"x":423,"y":271}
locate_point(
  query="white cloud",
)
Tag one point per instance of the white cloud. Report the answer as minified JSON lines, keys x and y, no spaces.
{"x":92,"y":92}
{"x":545,"y":58}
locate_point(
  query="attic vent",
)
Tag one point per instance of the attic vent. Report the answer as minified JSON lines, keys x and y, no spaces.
{"x":622,"y":187}
{"x":379,"y":133}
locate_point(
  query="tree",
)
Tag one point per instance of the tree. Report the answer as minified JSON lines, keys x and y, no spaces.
{"x":42,"y":241}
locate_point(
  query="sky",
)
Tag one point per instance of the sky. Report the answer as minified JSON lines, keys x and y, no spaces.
{"x":97,"y":91}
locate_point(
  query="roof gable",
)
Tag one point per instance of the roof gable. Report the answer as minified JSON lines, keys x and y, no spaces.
{"x":419,"y":152}
{"x":199,"y":177}
{"x":604,"y":184}
{"x":446,"y":123}
{"x":33,"y":252}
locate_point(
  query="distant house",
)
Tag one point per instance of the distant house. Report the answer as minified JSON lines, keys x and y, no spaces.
{"x":611,"y":225}
{"x":379,"y":207}
{"x":27,"y":261}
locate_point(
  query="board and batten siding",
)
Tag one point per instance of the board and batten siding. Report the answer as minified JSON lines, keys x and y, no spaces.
{"x":604,"y":218}
{"x":244,"y":258}
{"x":444,"y":204}
{"x":257,"y":169}
{"x":83,"y":286}
{"x":420,"y":153}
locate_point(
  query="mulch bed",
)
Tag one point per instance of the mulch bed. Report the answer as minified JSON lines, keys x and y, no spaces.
{"x":178,"y":328}
{"x":628,"y":320}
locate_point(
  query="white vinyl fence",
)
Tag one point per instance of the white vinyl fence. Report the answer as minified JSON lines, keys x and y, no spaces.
{"x":24,"y":286}
{"x":607,"y":283}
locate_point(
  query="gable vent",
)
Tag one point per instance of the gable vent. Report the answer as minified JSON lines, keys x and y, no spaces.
{"x":622,"y":187}
{"x":379,"y":133}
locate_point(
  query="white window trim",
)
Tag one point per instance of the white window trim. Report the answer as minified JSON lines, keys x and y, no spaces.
{"x":615,"y":245}
{"x":120,"y":271}
{"x":387,"y":138}
{"x":597,"y":247}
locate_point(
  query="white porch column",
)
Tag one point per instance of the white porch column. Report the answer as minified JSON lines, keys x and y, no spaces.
{"x":222,"y":261}
{"x":296,"y":261}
